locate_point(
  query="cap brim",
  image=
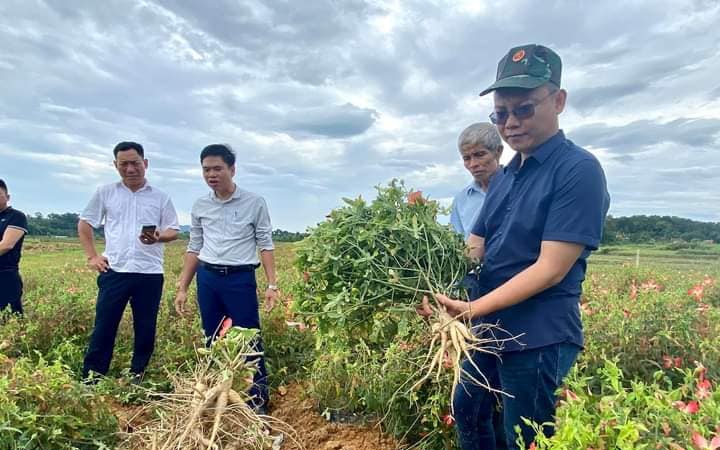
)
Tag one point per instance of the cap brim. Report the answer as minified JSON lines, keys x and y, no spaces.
{"x":517,"y":81}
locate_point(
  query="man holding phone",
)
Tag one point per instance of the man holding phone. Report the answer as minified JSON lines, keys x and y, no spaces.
{"x":138,"y":218}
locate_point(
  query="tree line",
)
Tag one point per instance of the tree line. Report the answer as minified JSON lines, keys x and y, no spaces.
{"x":66,"y":225}
{"x":632,"y":229}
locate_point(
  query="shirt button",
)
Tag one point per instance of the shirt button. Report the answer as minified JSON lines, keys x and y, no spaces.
{"x":509,"y":208}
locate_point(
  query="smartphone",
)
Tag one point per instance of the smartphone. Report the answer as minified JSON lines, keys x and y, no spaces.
{"x":148,"y":229}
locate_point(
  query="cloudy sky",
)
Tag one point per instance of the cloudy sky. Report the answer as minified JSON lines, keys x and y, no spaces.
{"x":323,"y":99}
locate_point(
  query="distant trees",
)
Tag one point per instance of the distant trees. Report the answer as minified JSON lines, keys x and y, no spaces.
{"x":633,"y":229}
{"x":66,"y":225}
{"x":643,"y":229}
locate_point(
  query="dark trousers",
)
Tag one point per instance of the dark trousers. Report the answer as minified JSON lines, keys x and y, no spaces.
{"x":11,"y":290}
{"x":531,"y":376}
{"x":233,"y":295}
{"x":143,"y":291}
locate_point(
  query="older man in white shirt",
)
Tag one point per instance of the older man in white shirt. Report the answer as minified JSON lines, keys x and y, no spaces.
{"x":138,"y":218}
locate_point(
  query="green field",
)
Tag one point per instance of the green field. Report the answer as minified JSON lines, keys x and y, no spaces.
{"x":651,"y":328}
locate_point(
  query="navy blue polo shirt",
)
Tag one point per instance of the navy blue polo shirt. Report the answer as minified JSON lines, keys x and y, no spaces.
{"x":559,"y":194}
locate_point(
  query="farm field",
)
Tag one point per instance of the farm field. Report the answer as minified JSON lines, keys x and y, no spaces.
{"x":647,"y":378}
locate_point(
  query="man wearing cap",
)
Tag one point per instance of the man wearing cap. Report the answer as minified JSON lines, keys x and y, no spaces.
{"x":13,"y":228}
{"x":229,"y":226}
{"x":540,"y":221}
{"x":138,"y":218}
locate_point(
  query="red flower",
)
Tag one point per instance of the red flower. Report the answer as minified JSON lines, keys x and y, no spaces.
{"x":415,"y":197}
{"x":691,"y":407}
{"x":677,"y":361}
{"x":226,"y":325}
{"x":532,"y":446}
{"x":448,"y":420}
{"x":704,"y":388}
{"x":667,"y":362}
{"x":697,"y":292}
{"x":700,"y":443}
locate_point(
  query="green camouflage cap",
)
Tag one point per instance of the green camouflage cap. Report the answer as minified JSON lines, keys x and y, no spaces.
{"x":527,"y":67}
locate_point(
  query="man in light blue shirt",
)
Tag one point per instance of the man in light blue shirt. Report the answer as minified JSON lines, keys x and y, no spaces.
{"x":480,"y":147}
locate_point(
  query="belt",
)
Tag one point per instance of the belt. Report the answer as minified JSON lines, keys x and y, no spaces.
{"x":225,"y":270}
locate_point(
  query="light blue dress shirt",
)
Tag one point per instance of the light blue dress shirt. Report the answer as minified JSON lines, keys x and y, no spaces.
{"x":466,"y":208}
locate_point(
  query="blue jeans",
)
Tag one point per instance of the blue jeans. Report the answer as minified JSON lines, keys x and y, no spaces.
{"x":233,"y":295}
{"x":531,"y":376}
{"x":115,"y":289}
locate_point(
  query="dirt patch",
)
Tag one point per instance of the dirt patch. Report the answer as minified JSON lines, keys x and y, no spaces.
{"x":316,"y":433}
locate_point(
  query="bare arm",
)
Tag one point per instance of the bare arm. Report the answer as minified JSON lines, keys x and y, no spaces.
{"x":190,"y":265}
{"x":555,"y":261}
{"x":85,"y":233}
{"x":268,"y":262}
{"x":11,"y":237}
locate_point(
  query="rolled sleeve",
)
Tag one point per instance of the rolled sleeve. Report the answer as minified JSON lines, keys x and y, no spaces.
{"x":18,"y":221}
{"x":94,"y":212}
{"x":169,"y":219}
{"x":195,"y":243}
{"x":263,"y":228}
{"x":577,"y":211}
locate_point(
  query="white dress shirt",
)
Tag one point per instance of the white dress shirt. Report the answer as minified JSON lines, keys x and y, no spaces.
{"x":230,"y":232}
{"x":123,"y":213}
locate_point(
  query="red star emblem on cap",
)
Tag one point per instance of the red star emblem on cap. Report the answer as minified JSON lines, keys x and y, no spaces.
{"x":518,"y":56}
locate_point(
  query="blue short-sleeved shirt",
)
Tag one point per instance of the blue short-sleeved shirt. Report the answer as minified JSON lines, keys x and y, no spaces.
{"x":559,"y":194}
{"x":466,"y":207}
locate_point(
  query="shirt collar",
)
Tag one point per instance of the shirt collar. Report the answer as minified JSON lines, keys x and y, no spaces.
{"x":145,"y":186}
{"x":473,"y":187}
{"x":236,"y":194}
{"x":540,"y":154}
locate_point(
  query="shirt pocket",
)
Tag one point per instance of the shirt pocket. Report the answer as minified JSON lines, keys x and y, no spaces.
{"x":149,"y":214}
{"x":238,"y":225}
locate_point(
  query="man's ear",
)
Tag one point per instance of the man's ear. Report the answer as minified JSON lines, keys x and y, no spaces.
{"x":559,"y":101}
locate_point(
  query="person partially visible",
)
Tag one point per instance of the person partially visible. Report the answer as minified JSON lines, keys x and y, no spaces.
{"x":138,"y":218}
{"x":13,"y":228}
{"x":480,"y":147}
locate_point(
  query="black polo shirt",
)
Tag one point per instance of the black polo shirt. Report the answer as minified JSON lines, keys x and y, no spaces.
{"x":12,"y":218}
{"x":559,"y":194}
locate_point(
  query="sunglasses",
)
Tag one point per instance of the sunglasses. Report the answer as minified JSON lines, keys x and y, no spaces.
{"x":522,"y":112}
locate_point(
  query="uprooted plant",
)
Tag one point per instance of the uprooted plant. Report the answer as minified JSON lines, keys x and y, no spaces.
{"x":365,"y":270}
{"x":211,"y":409}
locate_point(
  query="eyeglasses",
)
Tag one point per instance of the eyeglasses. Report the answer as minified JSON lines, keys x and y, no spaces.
{"x":522,"y":112}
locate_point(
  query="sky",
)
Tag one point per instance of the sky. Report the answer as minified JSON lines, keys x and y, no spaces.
{"x":326,"y":99}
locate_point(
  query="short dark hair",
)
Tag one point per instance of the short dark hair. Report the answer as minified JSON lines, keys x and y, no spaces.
{"x":129,"y":145}
{"x":222,"y":150}
{"x":3,"y":186}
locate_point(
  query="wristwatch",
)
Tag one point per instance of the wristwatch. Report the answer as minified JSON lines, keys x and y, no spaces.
{"x":273,"y":287}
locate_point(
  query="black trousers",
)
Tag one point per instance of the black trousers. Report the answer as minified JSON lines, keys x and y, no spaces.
{"x":11,"y":290}
{"x":116,"y":289}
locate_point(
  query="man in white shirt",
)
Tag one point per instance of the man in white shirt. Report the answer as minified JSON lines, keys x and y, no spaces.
{"x":229,"y":226}
{"x":138,"y":218}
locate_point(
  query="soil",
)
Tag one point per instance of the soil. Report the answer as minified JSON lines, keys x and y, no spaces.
{"x":314,"y":432}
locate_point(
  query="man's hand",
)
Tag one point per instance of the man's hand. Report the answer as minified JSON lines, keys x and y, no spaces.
{"x":454,"y":307}
{"x":271,"y":296}
{"x":424,"y":308}
{"x":99,"y":263}
{"x":180,"y":300}
{"x":150,"y":238}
